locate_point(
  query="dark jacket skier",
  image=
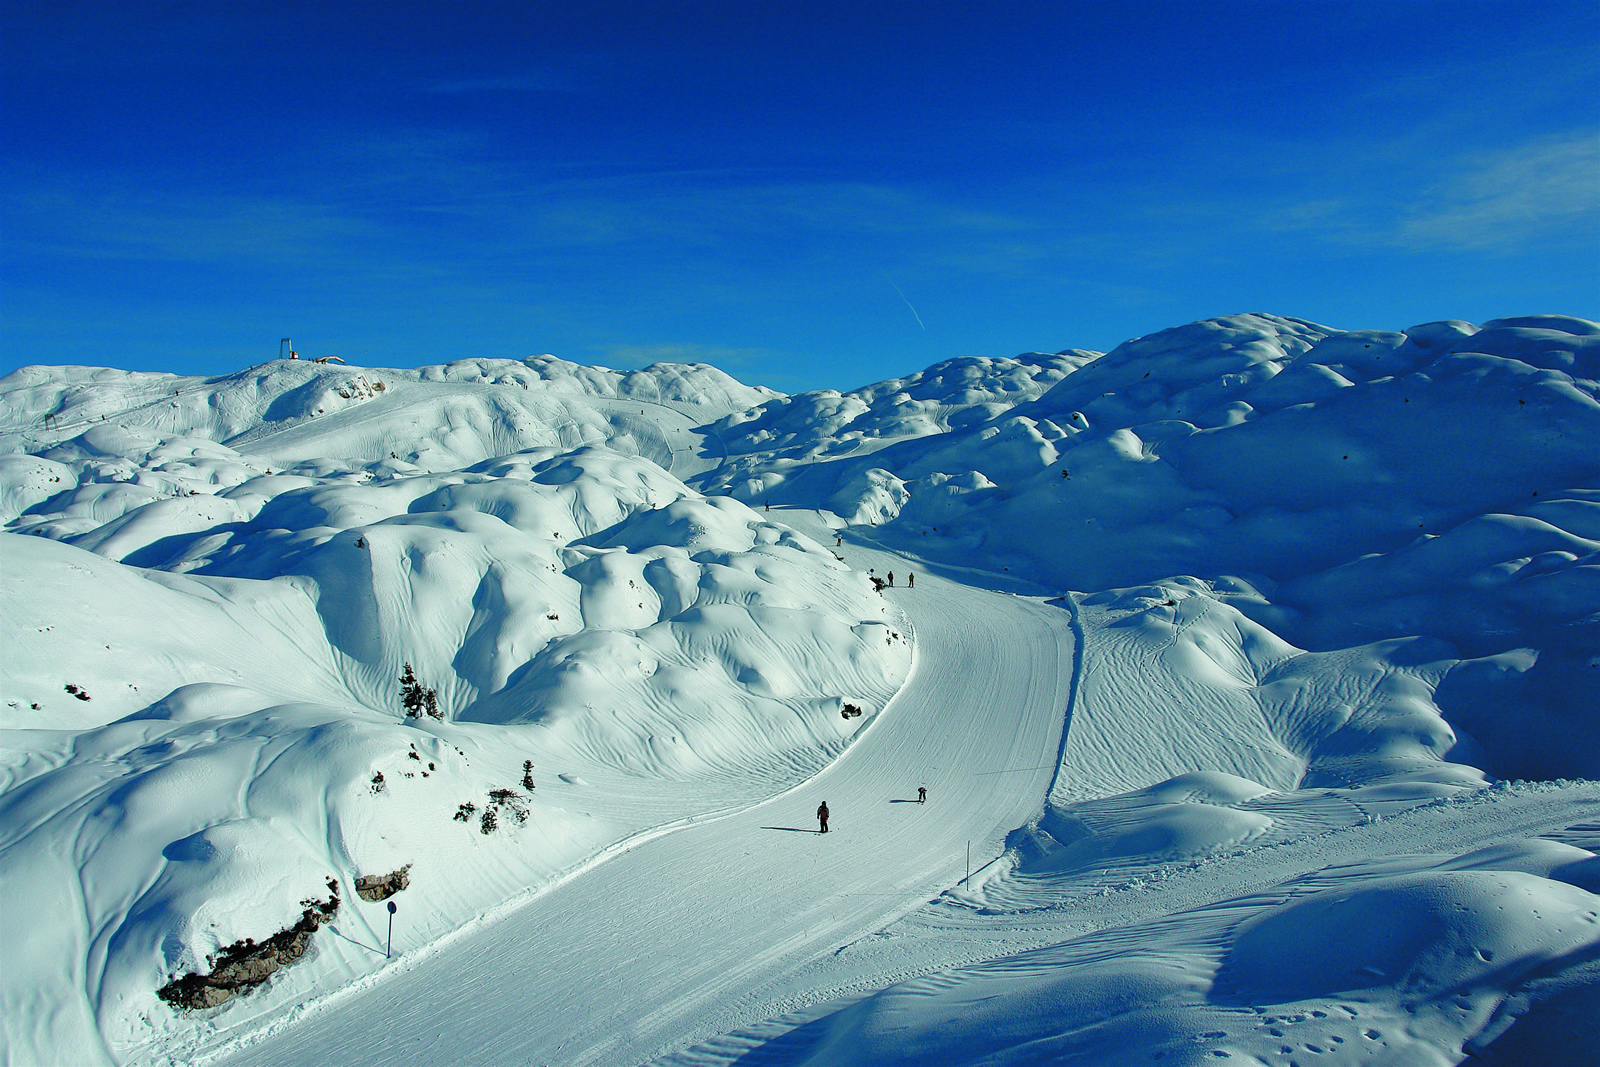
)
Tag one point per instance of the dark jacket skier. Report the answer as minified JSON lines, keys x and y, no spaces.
{"x":922,"y":793}
{"x":822,"y":816}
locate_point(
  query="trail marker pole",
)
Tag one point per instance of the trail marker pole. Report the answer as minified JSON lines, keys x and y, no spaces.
{"x":390,"y":945}
{"x":969,"y":864}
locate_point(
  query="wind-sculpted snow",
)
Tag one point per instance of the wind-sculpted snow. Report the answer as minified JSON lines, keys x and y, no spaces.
{"x":1253,"y":444}
{"x":762,"y":445}
{"x":204,"y":655}
{"x":1360,"y":485}
{"x":1233,"y":796}
{"x":290,"y":412}
{"x":1405,"y":962}
{"x":1242,"y":908}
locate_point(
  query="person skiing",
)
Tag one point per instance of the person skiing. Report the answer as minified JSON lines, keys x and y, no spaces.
{"x":822,"y":816}
{"x":911,"y":581}
{"x":922,"y":793}
{"x":891,"y":579}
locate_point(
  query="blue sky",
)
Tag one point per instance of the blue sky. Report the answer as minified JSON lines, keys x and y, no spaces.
{"x":808,"y":195}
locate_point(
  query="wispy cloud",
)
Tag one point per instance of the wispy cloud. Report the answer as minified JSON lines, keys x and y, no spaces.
{"x":1508,"y":199}
{"x":1502,"y":201}
{"x":699,"y":210}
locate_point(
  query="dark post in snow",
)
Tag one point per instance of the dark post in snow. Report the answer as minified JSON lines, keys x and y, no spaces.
{"x":391,"y":931}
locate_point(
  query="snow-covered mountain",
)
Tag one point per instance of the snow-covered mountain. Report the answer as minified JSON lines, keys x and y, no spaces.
{"x":507,"y":635}
{"x":1352,"y":485}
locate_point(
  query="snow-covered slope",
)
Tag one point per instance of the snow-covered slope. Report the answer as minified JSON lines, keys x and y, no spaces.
{"x":1355,"y":485}
{"x":764,"y":446}
{"x":204,"y":655}
{"x":1327,"y":587}
{"x":1328,"y":890}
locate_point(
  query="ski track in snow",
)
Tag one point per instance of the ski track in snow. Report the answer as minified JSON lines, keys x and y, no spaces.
{"x":707,"y":912}
{"x":736,"y":929}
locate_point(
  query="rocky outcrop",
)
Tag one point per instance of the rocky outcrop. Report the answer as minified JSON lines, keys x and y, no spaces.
{"x":376,"y":887}
{"x":246,"y":964}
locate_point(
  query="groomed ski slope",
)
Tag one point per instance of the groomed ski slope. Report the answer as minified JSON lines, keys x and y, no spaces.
{"x":663,"y":945}
{"x":749,"y":938}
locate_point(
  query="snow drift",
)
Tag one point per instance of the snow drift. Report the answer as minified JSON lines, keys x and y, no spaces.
{"x":1327,"y":586}
{"x":204,"y":654}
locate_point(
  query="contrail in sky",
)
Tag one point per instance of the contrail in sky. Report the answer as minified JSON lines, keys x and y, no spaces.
{"x":908,"y":304}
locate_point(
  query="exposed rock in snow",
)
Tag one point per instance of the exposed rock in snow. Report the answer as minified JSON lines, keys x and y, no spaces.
{"x":376,"y":887}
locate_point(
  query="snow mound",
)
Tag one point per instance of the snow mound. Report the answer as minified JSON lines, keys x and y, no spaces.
{"x":223,"y":584}
{"x":289,"y":412}
{"x":763,"y":445}
{"x":1421,"y":934}
{"x":1348,"y":486}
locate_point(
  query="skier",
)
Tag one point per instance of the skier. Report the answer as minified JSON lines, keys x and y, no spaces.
{"x":822,"y":817}
{"x":922,"y":793}
{"x":891,"y":579}
{"x":911,"y":581}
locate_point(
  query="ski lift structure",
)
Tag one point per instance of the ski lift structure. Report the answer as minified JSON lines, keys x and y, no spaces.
{"x":286,"y":345}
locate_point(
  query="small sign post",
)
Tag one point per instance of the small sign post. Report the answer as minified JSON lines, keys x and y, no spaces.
{"x":391,"y":931}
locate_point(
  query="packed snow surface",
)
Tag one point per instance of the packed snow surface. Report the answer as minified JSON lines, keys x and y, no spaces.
{"x":1249,"y":668}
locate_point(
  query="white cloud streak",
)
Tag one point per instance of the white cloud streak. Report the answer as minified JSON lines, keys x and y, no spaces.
{"x":1506,"y":201}
{"x":1547,"y":188}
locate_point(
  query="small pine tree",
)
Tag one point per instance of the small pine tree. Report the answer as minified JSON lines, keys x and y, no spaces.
{"x":416,"y":700}
{"x":411,"y":695}
{"x":489,"y":821}
{"x":527,"y":774}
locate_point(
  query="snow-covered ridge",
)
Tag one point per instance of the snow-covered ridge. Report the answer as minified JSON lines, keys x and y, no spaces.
{"x":492,"y":407}
{"x":1355,"y":485}
{"x":1324,"y":579}
{"x":763,"y":443}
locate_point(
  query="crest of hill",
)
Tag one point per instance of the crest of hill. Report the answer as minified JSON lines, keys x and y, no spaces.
{"x":81,"y":446}
{"x":1249,"y":444}
{"x":256,"y":409}
{"x":1350,"y":485}
{"x":761,"y":444}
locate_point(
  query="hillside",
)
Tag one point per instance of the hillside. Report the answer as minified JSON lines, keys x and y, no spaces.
{"x":1224,"y":643}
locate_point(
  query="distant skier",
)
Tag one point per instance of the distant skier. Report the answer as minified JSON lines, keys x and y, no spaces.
{"x":911,"y":581}
{"x":891,"y":579}
{"x":822,"y":816}
{"x":838,"y":540}
{"x":922,"y":793}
